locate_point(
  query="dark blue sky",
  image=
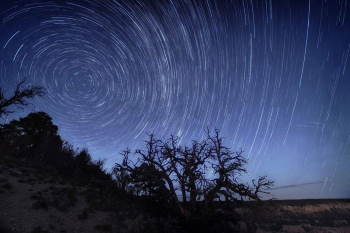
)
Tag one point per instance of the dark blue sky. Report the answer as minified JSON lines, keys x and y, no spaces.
{"x":273,"y":76}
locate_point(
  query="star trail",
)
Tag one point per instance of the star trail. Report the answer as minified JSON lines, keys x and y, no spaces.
{"x":273,"y":76}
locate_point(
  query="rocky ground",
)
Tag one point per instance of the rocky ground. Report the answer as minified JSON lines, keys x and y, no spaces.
{"x":297,"y":216}
{"x":31,"y":201}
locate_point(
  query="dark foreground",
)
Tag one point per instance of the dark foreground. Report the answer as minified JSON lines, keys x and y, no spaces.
{"x":36,"y":201}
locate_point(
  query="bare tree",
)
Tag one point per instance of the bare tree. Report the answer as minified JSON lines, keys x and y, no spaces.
{"x":19,"y":98}
{"x":204,"y":171}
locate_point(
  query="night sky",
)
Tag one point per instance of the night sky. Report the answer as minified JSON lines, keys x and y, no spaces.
{"x":273,"y":76}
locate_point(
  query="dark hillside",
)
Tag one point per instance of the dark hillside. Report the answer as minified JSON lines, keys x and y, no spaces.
{"x":47,"y":186}
{"x":41,"y":200}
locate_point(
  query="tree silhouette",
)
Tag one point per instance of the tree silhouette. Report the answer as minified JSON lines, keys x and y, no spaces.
{"x":35,"y":140}
{"x":19,"y":98}
{"x":33,"y":135}
{"x":205,"y":171}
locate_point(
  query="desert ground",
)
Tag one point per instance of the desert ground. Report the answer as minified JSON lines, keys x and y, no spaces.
{"x":31,"y":201}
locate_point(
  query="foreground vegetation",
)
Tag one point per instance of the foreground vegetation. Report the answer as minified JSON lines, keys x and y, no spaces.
{"x":156,"y":175}
{"x":163,"y":187}
{"x":189,"y":178}
{"x":39,"y":200}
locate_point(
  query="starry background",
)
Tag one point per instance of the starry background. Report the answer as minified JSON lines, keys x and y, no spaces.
{"x":273,"y":76}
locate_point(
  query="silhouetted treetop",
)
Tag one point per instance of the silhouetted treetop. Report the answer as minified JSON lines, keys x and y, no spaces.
{"x":19,"y":98}
{"x":37,"y":124}
{"x":35,"y":139}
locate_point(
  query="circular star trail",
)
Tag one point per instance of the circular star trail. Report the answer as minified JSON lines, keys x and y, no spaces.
{"x":273,"y":76}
